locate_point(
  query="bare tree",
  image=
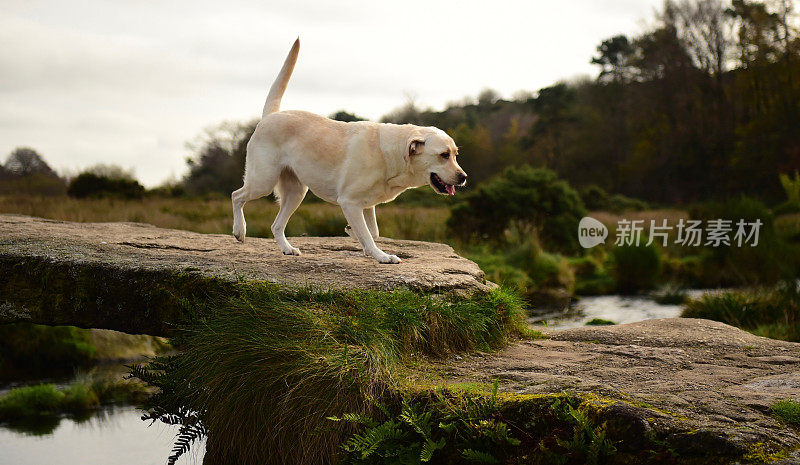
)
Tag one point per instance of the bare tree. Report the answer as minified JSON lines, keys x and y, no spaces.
{"x":24,"y":161}
{"x":706,"y":28}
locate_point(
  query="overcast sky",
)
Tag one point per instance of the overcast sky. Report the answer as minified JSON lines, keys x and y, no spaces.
{"x":129,"y":83}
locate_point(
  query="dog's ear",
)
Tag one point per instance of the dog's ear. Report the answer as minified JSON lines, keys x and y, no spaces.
{"x":414,"y":147}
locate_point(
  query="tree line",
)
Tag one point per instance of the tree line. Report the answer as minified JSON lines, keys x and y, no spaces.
{"x":703,"y":105}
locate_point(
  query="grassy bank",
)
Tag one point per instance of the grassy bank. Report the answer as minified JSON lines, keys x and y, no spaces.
{"x":265,"y":369}
{"x":771,"y":311}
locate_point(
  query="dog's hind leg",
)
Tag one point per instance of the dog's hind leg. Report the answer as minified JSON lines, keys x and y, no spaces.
{"x":239,"y":197}
{"x":290,"y":192}
{"x":261,"y":174}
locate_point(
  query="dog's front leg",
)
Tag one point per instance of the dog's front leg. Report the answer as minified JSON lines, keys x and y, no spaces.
{"x":372,"y":221}
{"x":372,"y":225}
{"x":355,"y":216}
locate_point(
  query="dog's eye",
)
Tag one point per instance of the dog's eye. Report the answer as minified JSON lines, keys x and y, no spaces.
{"x":445,"y":155}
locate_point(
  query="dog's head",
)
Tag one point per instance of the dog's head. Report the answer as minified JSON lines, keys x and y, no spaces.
{"x":432,"y":155}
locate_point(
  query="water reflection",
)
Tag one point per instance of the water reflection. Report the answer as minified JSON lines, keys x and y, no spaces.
{"x":113,"y":435}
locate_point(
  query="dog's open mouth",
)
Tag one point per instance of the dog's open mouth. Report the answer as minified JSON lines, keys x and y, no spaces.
{"x":441,"y":186}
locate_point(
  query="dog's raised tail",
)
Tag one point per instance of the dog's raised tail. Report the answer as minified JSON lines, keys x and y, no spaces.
{"x":273,"y":103}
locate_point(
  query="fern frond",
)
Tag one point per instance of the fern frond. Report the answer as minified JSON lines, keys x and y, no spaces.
{"x":187,"y":435}
{"x":426,"y":454}
{"x":476,"y":456}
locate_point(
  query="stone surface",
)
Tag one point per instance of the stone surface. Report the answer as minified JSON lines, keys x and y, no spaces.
{"x":140,"y":255}
{"x":704,"y":386}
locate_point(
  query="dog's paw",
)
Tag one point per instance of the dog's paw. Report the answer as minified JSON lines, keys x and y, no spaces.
{"x":292,"y":251}
{"x":239,"y":232}
{"x":389,"y":259}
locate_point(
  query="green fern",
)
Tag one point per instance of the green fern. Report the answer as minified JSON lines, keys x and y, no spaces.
{"x":372,"y":439}
{"x":476,"y":456}
{"x":356,"y":419}
{"x":427,"y":429}
{"x":428,"y":449}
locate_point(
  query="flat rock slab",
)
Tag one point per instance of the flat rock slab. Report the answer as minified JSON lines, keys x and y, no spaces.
{"x":131,"y":277}
{"x":327,"y":262}
{"x":704,"y":385}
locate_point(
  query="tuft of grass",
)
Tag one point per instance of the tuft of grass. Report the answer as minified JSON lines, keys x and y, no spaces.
{"x":670,"y":295}
{"x":85,"y":395}
{"x":599,"y":322}
{"x":29,"y":401}
{"x":265,"y":368}
{"x":788,"y":411}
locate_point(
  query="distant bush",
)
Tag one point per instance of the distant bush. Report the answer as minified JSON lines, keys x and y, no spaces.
{"x":619,"y":203}
{"x":26,"y":172}
{"x":592,"y":277}
{"x":636,"y":268}
{"x":94,"y":185}
{"x":595,"y":198}
{"x":545,"y":270}
{"x":532,"y":201}
{"x":772,"y":260}
{"x":526,"y":268}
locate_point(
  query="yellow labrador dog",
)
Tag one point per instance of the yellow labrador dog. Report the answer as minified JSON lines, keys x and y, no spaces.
{"x":355,"y":165}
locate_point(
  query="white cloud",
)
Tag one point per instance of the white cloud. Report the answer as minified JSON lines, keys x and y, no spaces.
{"x":95,"y":81}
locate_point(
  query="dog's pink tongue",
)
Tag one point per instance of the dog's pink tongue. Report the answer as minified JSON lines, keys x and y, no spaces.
{"x":451,"y":190}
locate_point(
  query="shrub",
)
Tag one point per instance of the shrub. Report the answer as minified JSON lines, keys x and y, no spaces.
{"x":545,"y":270}
{"x":533,"y":201}
{"x":636,"y":268}
{"x":619,"y":203}
{"x":94,"y":185}
{"x":595,"y":198}
{"x":525,"y":267}
{"x":591,"y":275}
{"x":770,"y":261}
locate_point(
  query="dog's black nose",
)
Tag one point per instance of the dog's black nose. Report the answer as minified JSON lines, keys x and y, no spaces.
{"x":462,"y":178}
